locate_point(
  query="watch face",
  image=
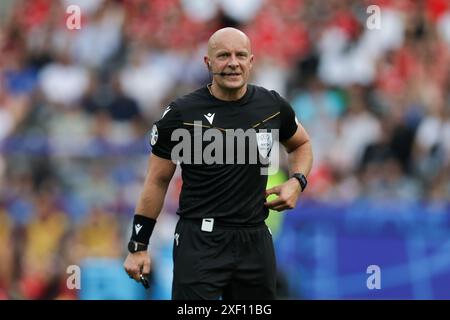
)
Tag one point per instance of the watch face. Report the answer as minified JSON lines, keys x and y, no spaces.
{"x":301,"y":179}
{"x":132,"y":246}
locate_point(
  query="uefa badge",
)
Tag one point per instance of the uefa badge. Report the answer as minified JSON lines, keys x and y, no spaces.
{"x":154,"y":135}
{"x":264,"y":140}
{"x":168,"y":108}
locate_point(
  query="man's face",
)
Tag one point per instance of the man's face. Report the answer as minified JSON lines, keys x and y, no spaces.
{"x":230,"y":54}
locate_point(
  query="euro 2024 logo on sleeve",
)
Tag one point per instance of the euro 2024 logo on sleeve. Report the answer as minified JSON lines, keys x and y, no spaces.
{"x":154,"y":135}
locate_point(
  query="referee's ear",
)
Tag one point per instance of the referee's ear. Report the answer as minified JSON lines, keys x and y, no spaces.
{"x":207,"y":62}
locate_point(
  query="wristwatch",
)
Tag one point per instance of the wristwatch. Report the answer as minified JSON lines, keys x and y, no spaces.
{"x":301,"y":179}
{"x":134,"y":246}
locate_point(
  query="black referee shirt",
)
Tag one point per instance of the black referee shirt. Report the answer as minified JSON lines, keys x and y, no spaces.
{"x":230,"y":193}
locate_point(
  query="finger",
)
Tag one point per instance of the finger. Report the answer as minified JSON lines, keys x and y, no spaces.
{"x":134,"y":277}
{"x":134,"y":274}
{"x":280,"y":208}
{"x":146,"y":268}
{"x":274,"y":190}
{"x":128,"y":272}
{"x":274,"y":203}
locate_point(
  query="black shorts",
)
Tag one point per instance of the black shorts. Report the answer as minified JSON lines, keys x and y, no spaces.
{"x":232,"y":263}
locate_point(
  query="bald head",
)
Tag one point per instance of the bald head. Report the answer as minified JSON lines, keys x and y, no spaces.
{"x":229,"y":60}
{"x":228,"y":36}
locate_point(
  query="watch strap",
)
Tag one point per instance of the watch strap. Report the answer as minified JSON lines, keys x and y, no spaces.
{"x":301,"y":179}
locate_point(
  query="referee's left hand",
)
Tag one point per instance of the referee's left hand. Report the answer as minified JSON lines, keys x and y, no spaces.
{"x":288,"y":194}
{"x":136,"y":264}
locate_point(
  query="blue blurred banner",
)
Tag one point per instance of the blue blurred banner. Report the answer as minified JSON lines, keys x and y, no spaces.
{"x":325,"y":250}
{"x":105,"y":279}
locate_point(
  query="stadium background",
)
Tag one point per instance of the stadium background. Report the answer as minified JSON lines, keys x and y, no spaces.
{"x":76,"y":107}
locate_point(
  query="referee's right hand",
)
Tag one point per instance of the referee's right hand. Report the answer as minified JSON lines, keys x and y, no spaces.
{"x":136,"y":264}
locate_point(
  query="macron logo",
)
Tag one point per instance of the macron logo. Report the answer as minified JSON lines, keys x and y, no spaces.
{"x":165,"y":111}
{"x":138,"y":228}
{"x":210,"y":117}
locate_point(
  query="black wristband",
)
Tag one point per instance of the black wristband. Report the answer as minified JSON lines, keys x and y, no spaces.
{"x":142,"y":228}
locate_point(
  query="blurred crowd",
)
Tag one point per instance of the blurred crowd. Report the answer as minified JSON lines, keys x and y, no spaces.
{"x":76,"y":107}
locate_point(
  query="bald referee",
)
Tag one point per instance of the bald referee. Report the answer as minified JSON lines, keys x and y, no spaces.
{"x":222,"y":247}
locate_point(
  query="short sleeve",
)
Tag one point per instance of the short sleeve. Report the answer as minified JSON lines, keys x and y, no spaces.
{"x":161,"y":133}
{"x":288,"y":121}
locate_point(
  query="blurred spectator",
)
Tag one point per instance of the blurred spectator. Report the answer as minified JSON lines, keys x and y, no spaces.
{"x":444,"y":27}
{"x":355,"y":131}
{"x":122,"y":107}
{"x":98,"y":236}
{"x":146,"y":79}
{"x":432,"y":141}
{"x":200,"y":10}
{"x":6,"y":254}
{"x":43,"y":236}
{"x":103,"y":29}
{"x":241,"y":11}
{"x":317,"y":107}
{"x":63,"y":125}
{"x":63,"y":82}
